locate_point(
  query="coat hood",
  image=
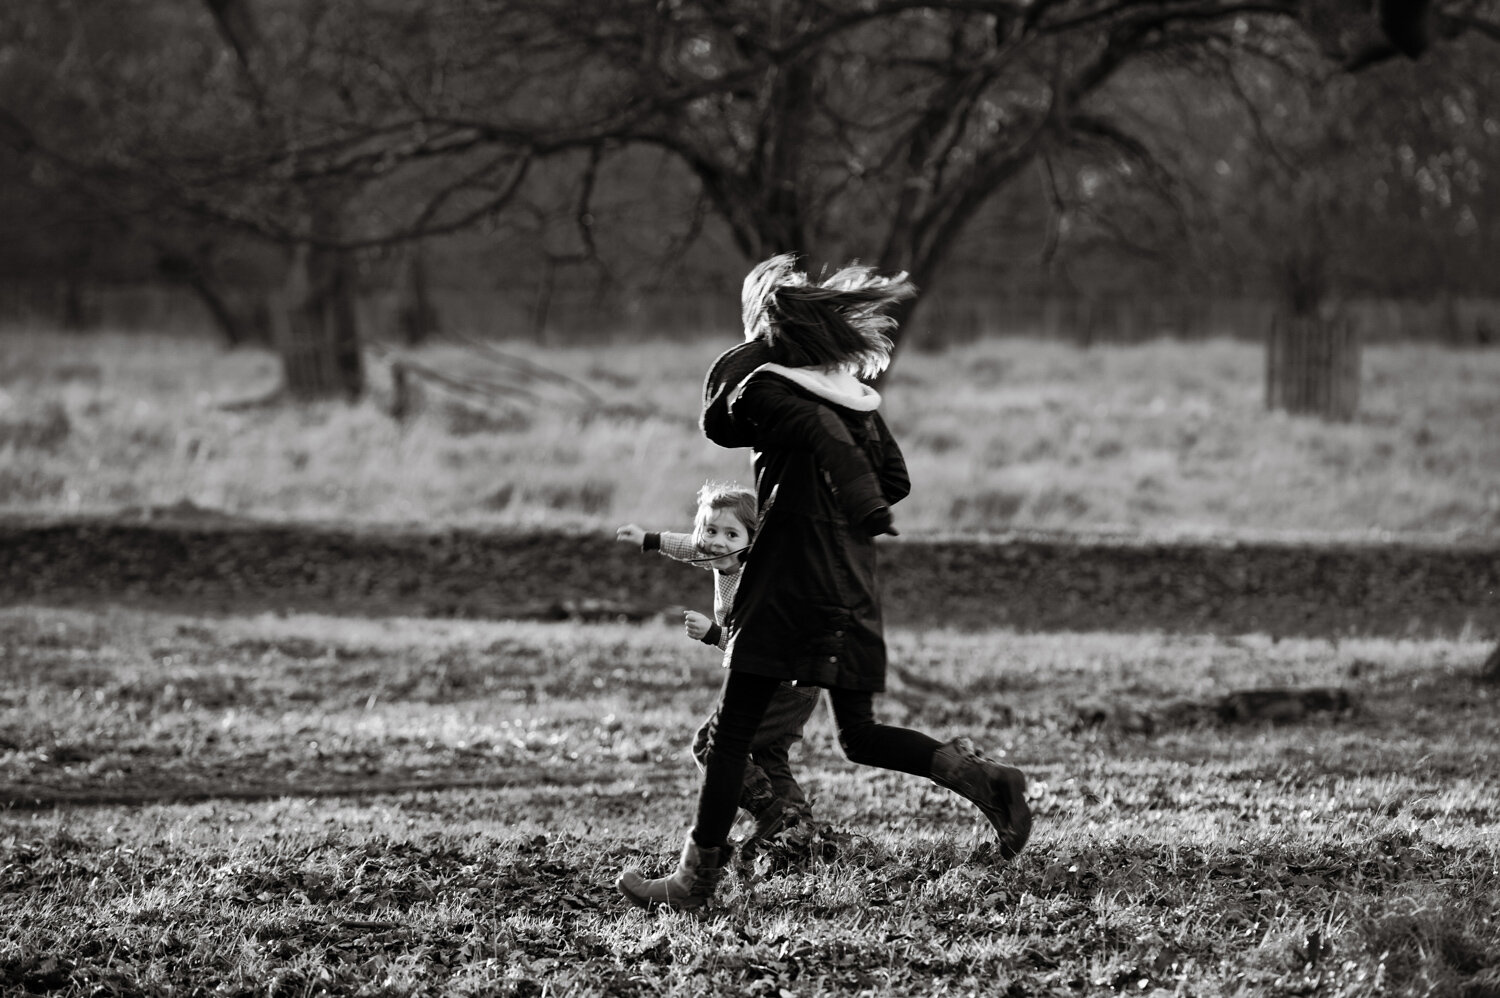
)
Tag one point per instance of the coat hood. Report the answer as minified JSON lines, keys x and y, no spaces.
{"x":726,"y":373}
{"x":838,"y":387}
{"x":732,"y":368}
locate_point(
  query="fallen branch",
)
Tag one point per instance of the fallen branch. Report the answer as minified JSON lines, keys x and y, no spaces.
{"x":273,"y":397}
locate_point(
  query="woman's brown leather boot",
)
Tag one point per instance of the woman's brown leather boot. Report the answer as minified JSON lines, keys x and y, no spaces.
{"x":999,"y":791}
{"x":692,"y":886}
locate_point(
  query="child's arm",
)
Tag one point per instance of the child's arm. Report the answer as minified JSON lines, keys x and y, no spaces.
{"x":681,"y":548}
{"x":783,"y":418}
{"x":702,"y":628}
{"x":631,"y":534}
{"x":678,"y":547}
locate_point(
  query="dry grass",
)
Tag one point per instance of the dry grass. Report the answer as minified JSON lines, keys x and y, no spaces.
{"x":1167,"y":438}
{"x":1342,"y":855}
{"x":311,"y":805}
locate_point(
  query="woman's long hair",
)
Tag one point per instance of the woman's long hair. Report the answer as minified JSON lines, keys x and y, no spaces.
{"x":837,"y":323}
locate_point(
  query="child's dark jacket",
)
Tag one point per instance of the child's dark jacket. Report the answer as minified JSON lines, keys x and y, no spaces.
{"x":808,"y":605}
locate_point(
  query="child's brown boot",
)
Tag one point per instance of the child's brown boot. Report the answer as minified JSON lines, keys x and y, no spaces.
{"x":999,"y":791}
{"x":692,"y":886}
{"x":770,"y":820}
{"x":796,"y":846}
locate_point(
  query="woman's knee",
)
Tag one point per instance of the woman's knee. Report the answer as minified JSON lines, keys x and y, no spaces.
{"x":740,"y":712}
{"x":857,"y":745}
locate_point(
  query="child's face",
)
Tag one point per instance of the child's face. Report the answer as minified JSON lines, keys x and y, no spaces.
{"x":721,"y":532}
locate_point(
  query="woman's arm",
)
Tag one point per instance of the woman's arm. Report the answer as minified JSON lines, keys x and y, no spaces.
{"x":783,"y":419}
{"x":894,"y":480}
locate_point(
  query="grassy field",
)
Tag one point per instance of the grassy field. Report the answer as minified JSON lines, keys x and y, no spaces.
{"x":1167,"y":438}
{"x":301,"y":805}
{"x":310,"y":805}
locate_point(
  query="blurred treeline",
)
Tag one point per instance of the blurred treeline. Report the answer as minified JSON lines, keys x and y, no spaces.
{"x":562,"y":168}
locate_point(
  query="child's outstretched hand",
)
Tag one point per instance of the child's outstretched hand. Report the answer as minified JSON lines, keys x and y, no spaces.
{"x":630,"y":534}
{"x":695,"y":624}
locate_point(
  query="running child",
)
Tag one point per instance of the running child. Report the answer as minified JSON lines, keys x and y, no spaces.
{"x":723,"y":528}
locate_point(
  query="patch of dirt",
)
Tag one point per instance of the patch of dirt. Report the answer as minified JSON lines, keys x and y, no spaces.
{"x":1283,"y":589}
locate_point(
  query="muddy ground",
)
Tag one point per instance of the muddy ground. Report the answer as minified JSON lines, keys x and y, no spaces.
{"x":218,"y":565}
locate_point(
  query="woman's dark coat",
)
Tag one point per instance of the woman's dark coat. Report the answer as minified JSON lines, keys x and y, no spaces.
{"x":808,"y":604}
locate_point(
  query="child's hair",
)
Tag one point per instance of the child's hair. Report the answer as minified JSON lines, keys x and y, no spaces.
{"x":838,"y":323}
{"x":726,"y":495}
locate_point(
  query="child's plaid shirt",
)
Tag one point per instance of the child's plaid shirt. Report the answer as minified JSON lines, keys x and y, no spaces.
{"x":680,"y":547}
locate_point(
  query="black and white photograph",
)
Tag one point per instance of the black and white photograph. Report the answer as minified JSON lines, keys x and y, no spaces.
{"x":768,"y":498}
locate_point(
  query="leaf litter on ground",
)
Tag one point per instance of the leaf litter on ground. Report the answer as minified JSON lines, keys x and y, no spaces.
{"x":291,"y":836}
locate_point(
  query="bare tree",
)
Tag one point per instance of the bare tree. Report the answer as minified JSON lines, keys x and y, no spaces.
{"x":881,"y":129}
{"x":878,"y":129}
{"x":1341,"y":188}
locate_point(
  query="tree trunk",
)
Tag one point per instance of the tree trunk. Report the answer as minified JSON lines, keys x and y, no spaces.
{"x":1490,"y":671}
{"x":1313,"y":366}
{"x":237,"y":331}
{"x":239,"y":326}
{"x":542,"y":308}
{"x":319,"y":341}
{"x":415,"y":315}
{"x":76,"y":311}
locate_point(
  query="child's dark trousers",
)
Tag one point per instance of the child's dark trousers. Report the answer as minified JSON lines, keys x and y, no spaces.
{"x":768,"y":770}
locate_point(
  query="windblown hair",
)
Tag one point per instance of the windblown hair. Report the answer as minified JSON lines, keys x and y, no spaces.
{"x":837,"y":323}
{"x":726,"y":495}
